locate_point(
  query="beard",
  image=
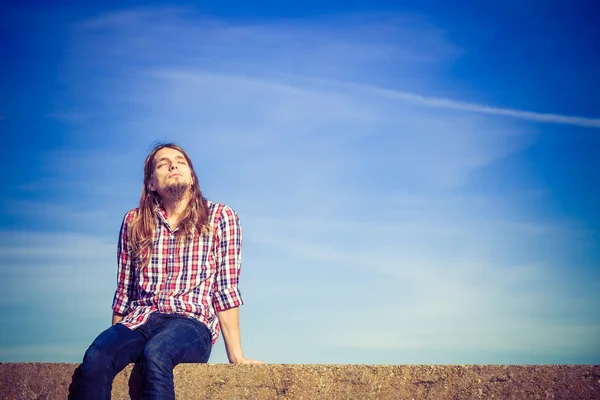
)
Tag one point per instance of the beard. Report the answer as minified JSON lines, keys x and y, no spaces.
{"x":177,"y":190}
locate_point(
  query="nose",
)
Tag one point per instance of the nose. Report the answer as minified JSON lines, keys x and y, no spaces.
{"x":172,"y":167}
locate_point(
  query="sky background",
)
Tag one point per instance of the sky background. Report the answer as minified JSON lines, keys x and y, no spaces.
{"x":418,"y":182}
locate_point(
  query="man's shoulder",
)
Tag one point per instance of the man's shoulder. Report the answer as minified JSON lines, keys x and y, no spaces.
{"x":217,"y":211}
{"x":130,"y":215}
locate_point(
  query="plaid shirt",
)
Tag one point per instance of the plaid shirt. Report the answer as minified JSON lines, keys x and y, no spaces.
{"x":196,"y":279}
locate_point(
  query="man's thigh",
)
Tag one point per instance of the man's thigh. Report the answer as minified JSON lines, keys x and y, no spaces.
{"x":181,"y":340}
{"x":118,"y":344}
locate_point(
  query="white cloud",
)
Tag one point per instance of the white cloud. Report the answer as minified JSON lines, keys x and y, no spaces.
{"x":310,"y":132}
{"x":341,"y":47}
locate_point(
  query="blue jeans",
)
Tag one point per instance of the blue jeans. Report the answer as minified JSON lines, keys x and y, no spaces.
{"x":159,"y":345}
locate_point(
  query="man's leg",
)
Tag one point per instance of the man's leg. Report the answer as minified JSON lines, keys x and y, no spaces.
{"x":178,"y":340}
{"x":112,"y":350}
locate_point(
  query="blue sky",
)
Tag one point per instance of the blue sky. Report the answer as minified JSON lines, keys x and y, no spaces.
{"x":417,"y":182}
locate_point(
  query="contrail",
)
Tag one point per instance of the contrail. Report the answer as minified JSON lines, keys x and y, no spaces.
{"x":460,"y":105}
{"x":434,"y":102}
{"x":437,"y":102}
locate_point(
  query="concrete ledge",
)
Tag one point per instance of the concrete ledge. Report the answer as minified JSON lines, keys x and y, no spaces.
{"x":273,"y":381}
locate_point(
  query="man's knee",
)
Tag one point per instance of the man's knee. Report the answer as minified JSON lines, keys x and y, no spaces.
{"x":155,"y":357}
{"x":98,"y":354}
{"x":97,"y":361}
{"x":102,"y":352}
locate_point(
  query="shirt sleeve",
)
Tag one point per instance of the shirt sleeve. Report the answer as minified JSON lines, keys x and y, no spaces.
{"x":229,"y":261}
{"x":125,"y":269}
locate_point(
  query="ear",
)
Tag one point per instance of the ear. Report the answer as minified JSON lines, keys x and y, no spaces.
{"x":151,"y":187}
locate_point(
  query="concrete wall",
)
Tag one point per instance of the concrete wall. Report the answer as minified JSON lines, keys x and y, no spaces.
{"x":217,"y":381}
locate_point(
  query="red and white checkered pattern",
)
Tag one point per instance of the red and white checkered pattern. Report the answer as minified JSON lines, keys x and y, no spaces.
{"x":196,"y":279}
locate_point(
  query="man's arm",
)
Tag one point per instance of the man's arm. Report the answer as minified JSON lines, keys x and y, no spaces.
{"x":227,"y":298}
{"x":230,"y":326}
{"x":125,"y":282}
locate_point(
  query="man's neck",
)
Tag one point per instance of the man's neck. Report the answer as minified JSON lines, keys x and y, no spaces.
{"x":174,"y":209}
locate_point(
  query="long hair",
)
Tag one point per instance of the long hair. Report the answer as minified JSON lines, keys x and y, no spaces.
{"x":194,"y":220}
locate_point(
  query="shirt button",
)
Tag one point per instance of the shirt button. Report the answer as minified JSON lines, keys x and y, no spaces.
{"x":170,"y":257}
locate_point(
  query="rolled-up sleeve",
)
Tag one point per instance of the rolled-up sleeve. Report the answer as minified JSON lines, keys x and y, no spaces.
{"x":228,"y":261}
{"x":125,"y":269}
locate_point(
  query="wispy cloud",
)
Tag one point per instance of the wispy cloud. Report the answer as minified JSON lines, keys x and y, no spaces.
{"x":343,"y":133}
{"x":433,"y":276}
{"x":344,"y":47}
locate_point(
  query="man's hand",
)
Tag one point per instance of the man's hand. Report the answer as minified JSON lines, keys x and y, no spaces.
{"x":230,"y":326}
{"x":247,"y":361}
{"x":116,"y":318}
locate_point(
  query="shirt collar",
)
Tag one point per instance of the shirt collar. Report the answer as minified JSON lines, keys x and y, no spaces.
{"x":162,"y":215}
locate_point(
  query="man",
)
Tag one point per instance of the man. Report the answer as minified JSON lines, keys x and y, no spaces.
{"x":179,"y":259}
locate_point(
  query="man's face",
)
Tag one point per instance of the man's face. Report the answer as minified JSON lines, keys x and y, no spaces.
{"x":172,"y":175}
